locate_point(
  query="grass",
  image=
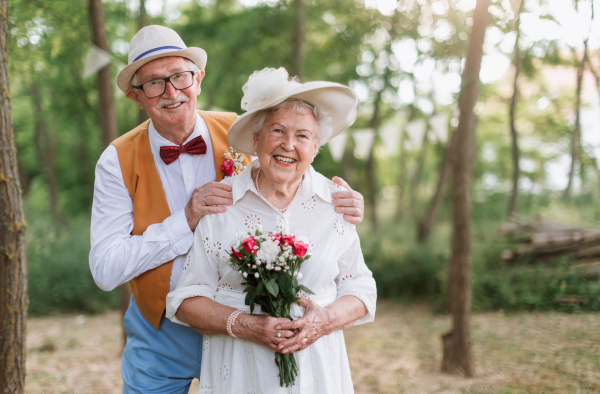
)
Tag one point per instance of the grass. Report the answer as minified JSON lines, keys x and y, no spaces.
{"x":399,"y":353}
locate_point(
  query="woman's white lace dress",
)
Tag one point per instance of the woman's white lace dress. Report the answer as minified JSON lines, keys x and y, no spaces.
{"x":336,"y":269}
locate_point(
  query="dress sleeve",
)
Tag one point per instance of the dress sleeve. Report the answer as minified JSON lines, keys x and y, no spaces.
{"x":200,"y":274}
{"x":354,"y":278}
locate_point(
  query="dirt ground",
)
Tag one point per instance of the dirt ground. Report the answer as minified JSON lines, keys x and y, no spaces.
{"x":399,"y":353}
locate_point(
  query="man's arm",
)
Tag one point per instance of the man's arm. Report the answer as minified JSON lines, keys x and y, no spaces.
{"x":349,"y":202}
{"x":116,"y":256}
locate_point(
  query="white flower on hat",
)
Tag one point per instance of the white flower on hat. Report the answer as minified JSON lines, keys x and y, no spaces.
{"x":266,"y":86}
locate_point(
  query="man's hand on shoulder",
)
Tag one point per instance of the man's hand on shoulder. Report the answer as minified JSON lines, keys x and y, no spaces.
{"x":349,"y":202}
{"x":206,"y":199}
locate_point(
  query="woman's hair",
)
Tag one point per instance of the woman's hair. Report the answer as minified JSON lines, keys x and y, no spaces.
{"x":193,"y":67}
{"x":301,"y":107}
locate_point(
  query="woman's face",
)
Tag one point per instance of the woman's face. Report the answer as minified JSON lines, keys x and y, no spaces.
{"x":286,"y":145}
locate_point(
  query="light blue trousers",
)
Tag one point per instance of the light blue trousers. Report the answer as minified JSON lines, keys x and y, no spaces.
{"x":158,"y":361}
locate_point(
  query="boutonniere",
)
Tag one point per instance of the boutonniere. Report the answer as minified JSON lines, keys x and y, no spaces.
{"x":232,"y":164}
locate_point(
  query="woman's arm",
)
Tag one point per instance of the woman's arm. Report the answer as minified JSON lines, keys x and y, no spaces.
{"x":209,"y":317}
{"x":318,"y":321}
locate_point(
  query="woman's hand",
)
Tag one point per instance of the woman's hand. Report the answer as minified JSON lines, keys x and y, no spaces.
{"x":316,"y":322}
{"x":261,"y":329}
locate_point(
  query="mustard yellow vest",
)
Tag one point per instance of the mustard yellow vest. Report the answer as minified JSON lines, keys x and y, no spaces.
{"x":150,"y":204}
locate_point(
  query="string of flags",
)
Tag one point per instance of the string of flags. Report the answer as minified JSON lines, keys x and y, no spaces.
{"x":390,"y":135}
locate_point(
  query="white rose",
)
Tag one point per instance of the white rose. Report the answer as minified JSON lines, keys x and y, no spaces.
{"x":268,"y":251}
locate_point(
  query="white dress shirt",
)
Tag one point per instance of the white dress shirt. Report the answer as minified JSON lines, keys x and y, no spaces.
{"x":335,"y":269}
{"x":116,"y":256}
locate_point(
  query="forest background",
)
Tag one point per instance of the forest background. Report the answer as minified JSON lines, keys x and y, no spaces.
{"x":537,"y":147}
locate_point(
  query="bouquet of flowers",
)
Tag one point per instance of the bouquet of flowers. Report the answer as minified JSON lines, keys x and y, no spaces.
{"x":270,"y":266}
{"x":233,"y":163}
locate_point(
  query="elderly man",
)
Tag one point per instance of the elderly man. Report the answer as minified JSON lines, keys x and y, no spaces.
{"x":152,"y":186}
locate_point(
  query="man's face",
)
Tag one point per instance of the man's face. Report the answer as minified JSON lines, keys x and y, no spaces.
{"x":174,"y":109}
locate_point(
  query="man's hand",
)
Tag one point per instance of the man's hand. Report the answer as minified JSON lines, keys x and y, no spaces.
{"x":350,"y":202}
{"x":206,"y":199}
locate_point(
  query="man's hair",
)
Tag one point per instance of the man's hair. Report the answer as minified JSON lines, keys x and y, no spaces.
{"x":134,"y":81}
{"x":300,"y":106}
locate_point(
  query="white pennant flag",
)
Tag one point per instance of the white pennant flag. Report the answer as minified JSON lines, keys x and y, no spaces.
{"x":439,"y":125}
{"x":390,"y":134}
{"x":337,"y":146}
{"x":96,"y":59}
{"x":415,"y":131}
{"x":363,"y":139}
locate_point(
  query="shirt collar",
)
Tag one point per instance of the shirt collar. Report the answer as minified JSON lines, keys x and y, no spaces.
{"x":313,"y":184}
{"x":157,"y":140}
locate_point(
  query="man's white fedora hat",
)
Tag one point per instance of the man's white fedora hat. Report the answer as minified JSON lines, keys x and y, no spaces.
{"x":269,"y":87}
{"x":152,"y":42}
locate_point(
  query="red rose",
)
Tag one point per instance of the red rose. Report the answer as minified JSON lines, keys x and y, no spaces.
{"x":249,"y":245}
{"x":228,"y":166}
{"x":236,"y":254}
{"x":275,"y":237}
{"x":289,"y":240}
{"x":300,"y":248}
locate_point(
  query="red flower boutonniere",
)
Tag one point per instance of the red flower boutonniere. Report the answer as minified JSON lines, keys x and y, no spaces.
{"x":232,"y":164}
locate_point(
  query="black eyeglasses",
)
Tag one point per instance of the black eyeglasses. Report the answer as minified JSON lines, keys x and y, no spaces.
{"x":156,"y":87}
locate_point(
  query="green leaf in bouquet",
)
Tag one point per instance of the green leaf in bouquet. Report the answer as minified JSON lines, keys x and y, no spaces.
{"x":250,"y":300}
{"x":285,"y":283}
{"x":272,"y":287}
{"x":260,"y":289}
{"x":305,"y":289}
{"x":295,"y":282}
{"x":288,"y":298}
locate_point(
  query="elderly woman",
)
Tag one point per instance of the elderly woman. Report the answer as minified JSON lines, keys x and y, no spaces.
{"x":284,"y":125}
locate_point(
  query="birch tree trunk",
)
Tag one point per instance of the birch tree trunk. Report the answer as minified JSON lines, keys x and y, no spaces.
{"x":457,"y":353}
{"x":516,"y":152}
{"x":13,"y":272}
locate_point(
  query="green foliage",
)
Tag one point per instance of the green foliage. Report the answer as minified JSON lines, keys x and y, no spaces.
{"x":59,"y":278}
{"x":401,"y":267}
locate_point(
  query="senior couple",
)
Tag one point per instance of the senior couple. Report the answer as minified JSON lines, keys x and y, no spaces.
{"x":162,"y":222}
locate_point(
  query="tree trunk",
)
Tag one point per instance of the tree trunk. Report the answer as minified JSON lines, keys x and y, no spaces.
{"x":299,"y":39}
{"x":108,"y":118}
{"x":425,"y":225}
{"x":107,"y":115}
{"x":457,"y":353}
{"x":416,"y":178}
{"x":516,"y":153}
{"x":348,"y":161}
{"x":371,"y":170}
{"x":45,"y":149}
{"x":13,"y":271}
{"x":142,"y":115}
{"x":576,"y":136}
{"x":402,"y":177}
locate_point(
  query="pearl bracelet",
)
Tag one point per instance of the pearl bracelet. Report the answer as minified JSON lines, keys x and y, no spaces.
{"x":231,"y":321}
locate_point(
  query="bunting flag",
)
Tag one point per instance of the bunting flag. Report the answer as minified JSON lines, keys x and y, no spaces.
{"x":439,"y":126}
{"x":337,"y":146}
{"x":390,"y":135}
{"x":415,"y":131}
{"x":95,"y":60}
{"x":363,"y":138}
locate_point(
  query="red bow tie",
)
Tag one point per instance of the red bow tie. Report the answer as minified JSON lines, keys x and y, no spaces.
{"x":169,"y":154}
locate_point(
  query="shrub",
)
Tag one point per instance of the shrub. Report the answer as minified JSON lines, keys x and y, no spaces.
{"x":59,"y":278}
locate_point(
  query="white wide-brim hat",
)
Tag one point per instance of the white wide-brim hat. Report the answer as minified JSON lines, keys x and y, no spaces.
{"x":152,"y":42}
{"x":269,"y":87}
